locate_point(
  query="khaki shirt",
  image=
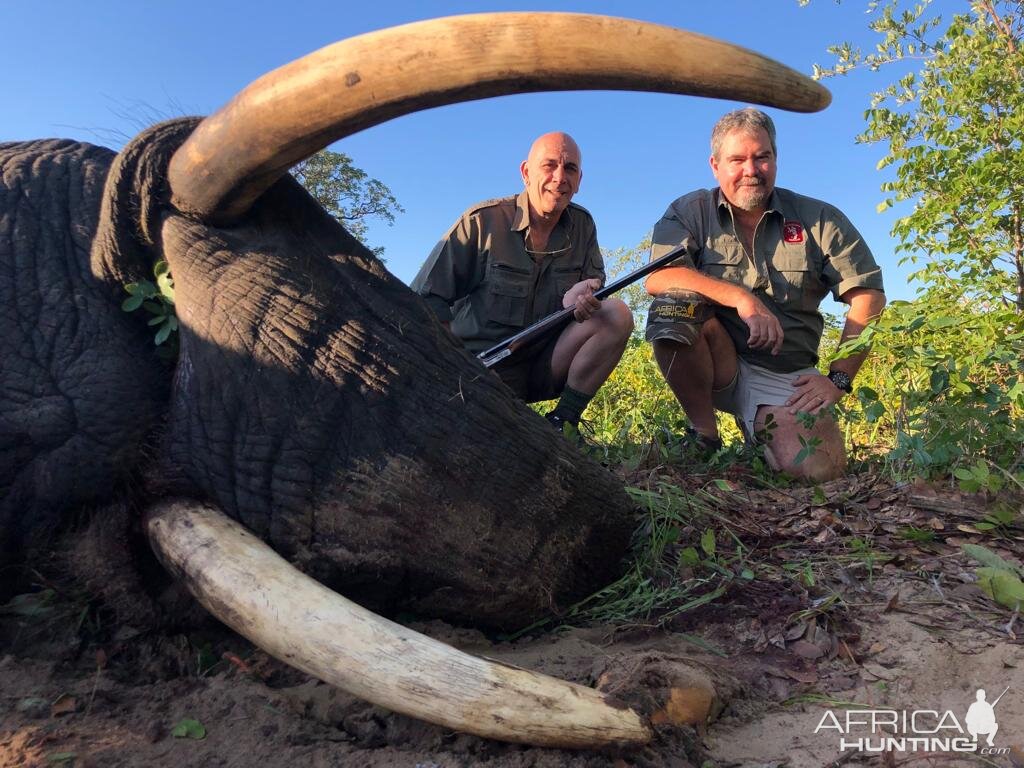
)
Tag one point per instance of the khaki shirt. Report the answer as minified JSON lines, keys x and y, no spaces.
{"x":802,"y":249}
{"x":481,"y":278}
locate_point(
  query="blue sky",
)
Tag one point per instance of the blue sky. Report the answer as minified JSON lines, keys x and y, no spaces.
{"x":100,"y":72}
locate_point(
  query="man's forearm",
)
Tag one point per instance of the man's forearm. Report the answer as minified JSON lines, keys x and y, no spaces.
{"x":720,"y":292}
{"x":865,"y":305}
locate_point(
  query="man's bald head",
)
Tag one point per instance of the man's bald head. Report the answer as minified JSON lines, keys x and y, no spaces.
{"x":552,"y":173}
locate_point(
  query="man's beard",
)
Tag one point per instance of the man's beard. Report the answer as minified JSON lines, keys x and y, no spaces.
{"x":750,"y":197}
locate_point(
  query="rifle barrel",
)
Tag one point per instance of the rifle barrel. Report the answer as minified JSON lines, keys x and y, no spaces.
{"x":501,"y":350}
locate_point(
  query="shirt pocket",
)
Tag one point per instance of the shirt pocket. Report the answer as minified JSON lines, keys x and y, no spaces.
{"x":796,"y":281}
{"x":726,"y":264}
{"x":507,"y":291}
{"x":564,"y":280}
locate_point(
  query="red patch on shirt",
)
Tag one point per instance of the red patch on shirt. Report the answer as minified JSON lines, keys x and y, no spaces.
{"x":793,"y":232}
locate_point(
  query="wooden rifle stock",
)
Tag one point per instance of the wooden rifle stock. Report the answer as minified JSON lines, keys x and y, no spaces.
{"x":558,"y":320}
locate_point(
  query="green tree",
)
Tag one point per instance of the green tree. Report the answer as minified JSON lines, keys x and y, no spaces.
{"x":346,"y":192}
{"x":954,"y":132}
{"x":947,"y":368}
{"x":621,"y":261}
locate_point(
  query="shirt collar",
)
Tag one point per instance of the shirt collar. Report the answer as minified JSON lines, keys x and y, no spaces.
{"x":521,"y":219}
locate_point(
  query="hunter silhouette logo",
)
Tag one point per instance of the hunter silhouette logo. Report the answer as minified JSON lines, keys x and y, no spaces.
{"x":916,"y":730}
{"x":981,"y":717}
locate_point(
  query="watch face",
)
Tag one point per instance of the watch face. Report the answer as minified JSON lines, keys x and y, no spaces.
{"x":841,"y":380}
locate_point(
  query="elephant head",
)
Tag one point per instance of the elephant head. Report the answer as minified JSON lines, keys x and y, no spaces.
{"x":318,"y":425}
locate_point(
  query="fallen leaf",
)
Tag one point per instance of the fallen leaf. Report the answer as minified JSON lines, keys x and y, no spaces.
{"x":189,"y":729}
{"x":893,"y":603}
{"x":64,"y":705}
{"x":810,"y":676}
{"x":242,"y":665}
{"x":878,"y":671}
{"x":806,"y":650}
{"x":936,"y":525}
{"x":796,"y":630}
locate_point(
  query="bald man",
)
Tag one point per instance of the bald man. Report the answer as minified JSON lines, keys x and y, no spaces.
{"x":509,"y":262}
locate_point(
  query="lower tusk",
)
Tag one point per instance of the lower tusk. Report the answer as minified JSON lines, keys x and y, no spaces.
{"x":249,"y":587}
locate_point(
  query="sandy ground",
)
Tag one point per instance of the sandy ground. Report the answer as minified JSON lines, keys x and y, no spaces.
{"x":907,"y":633}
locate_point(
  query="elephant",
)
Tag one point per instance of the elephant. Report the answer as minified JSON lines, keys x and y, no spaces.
{"x":318,"y":431}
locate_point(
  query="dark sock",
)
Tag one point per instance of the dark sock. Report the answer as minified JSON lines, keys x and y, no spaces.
{"x":571,"y":405}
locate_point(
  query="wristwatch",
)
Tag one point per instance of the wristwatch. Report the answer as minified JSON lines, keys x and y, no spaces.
{"x":841,"y":380}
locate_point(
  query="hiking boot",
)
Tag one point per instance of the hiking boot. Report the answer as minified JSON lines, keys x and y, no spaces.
{"x":570,"y":429}
{"x":705,"y":444}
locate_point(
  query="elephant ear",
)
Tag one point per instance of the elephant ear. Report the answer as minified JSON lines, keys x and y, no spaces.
{"x":298,"y":109}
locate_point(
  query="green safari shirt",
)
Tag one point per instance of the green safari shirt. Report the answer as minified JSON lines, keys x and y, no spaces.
{"x":802,"y":249}
{"x":481,"y":278}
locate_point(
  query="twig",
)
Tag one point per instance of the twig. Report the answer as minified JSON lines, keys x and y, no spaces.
{"x":1010,"y":623}
{"x":95,"y":685}
{"x":459,"y":393}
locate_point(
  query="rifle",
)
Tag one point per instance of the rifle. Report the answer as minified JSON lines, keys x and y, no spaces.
{"x":558,"y":320}
{"x":1000,"y":696}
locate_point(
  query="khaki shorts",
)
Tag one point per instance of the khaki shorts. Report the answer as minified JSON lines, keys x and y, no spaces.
{"x":753,"y":387}
{"x":528,"y":372}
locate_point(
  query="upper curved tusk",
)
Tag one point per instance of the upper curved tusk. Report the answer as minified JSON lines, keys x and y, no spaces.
{"x":246,"y":585}
{"x":292,"y":112}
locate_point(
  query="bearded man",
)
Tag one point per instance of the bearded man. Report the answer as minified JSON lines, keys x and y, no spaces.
{"x":735,"y":324}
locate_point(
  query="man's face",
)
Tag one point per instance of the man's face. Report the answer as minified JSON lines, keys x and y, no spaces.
{"x":745,"y":169}
{"x":552,"y":173}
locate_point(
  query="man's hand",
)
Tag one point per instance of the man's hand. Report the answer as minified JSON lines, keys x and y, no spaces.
{"x":581,"y":298}
{"x":812,"y":393}
{"x":765,"y":329}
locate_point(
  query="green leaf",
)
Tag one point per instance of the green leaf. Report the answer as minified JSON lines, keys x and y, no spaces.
{"x":1002,"y":586}
{"x":689,"y":557}
{"x":133,"y":302}
{"x":986,"y":557}
{"x":162,"y":334}
{"x":747,"y":574}
{"x":30,"y":604}
{"x":61,"y":757}
{"x":707,"y":542}
{"x":189,"y":729}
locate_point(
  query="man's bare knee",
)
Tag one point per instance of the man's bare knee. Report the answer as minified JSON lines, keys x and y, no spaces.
{"x":813,"y":453}
{"x":616,"y":315}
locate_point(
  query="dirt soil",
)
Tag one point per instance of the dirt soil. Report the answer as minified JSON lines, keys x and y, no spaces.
{"x":861,"y":596}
